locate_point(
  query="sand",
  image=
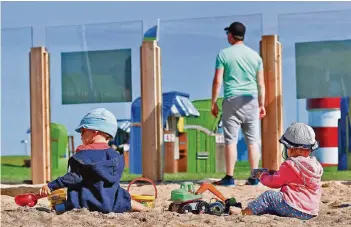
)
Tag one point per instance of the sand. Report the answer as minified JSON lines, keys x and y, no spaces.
{"x":40,"y":215}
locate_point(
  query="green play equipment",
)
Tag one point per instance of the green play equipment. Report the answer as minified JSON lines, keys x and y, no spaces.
{"x":201,"y":138}
{"x":59,"y":142}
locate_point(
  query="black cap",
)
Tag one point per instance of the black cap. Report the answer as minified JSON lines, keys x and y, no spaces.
{"x":237,"y":29}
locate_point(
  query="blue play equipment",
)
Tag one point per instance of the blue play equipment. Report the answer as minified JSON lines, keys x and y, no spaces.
{"x":344,"y":135}
{"x":173,"y":103}
{"x":123,"y":130}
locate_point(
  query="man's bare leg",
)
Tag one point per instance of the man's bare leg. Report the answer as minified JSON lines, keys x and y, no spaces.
{"x":254,"y":155}
{"x":230,"y":158}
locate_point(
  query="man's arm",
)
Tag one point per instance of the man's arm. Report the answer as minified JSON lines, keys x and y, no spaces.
{"x":216,"y":84}
{"x":218,"y":78}
{"x":261,"y":88}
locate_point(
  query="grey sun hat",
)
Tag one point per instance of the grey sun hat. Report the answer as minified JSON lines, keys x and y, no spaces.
{"x":99,"y":119}
{"x":299,"y":135}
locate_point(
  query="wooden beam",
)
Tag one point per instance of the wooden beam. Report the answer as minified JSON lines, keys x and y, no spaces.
{"x":280,"y":92}
{"x":40,"y":115}
{"x":151,"y":110}
{"x":159,"y":124}
{"x":47,"y":115}
{"x":272,"y":123}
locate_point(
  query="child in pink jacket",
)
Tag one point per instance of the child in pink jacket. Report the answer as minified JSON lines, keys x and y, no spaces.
{"x":299,"y":178}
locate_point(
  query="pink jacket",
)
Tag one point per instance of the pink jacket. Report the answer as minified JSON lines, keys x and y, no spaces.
{"x":300,"y":182}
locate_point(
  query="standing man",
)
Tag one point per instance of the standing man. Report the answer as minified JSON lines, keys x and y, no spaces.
{"x":241,"y":69}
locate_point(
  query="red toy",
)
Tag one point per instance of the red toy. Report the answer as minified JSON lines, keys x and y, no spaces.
{"x":57,"y":200}
{"x":28,"y":199}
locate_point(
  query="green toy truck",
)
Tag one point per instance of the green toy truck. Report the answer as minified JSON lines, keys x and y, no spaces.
{"x":186,"y":200}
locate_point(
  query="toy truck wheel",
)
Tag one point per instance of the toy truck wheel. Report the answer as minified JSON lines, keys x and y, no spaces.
{"x":172,"y":207}
{"x":216,"y":208}
{"x":60,"y":208}
{"x":202,"y":207}
{"x":185,"y":209}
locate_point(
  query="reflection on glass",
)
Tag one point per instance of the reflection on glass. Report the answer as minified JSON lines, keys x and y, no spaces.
{"x":296,"y":30}
{"x":316,"y":71}
{"x":96,"y":76}
{"x":97,"y":65}
{"x":323,"y":65}
{"x":189,"y":49}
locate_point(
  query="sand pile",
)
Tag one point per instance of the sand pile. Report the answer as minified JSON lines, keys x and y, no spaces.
{"x":334,"y":193}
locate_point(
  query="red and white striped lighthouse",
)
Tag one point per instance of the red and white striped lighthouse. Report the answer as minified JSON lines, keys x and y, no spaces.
{"x":323,"y":115}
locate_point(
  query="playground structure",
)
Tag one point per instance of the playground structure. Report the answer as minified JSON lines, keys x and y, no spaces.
{"x":121,"y":140}
{"x":202,"y":152}
{"x":324,"y":114}
{"x":205,"y":150}
{"x":151,"y":101}
{"x":60,"y":142}
{"x":344,"y":135}
{"x":330,"y":119}
{"x":174,"y":106}
{"x":192,"y":143}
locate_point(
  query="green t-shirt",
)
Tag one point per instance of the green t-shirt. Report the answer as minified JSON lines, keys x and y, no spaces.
{"x":240,"y":64}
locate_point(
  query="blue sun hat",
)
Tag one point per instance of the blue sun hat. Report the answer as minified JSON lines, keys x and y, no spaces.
{"x":99,"y":119}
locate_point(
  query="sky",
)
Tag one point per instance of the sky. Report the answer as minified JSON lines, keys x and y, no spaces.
{"x":191,"y":34}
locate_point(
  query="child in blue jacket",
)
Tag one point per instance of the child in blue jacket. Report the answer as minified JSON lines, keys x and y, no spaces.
{"x":96,"y":169}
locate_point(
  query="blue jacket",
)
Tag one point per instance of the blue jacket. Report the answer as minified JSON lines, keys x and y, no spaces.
{"x":93,"y":181}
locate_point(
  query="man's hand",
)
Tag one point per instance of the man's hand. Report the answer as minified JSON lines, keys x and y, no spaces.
{"x":45,"y":191}
{"x":216,"y":86}
{"x":262,"y":111}
{"x":214,"y":109}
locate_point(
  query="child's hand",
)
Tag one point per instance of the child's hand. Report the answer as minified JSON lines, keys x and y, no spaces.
{"x":258,"y":174}
{"x":272,"y":171}
{"x":45,"y":191}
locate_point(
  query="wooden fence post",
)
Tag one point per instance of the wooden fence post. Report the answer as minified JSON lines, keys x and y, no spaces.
{"x":272,"y":123}
{"x":151,"y":110}
{"x":40,"y":115}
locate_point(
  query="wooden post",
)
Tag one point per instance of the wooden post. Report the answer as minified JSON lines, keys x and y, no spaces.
{"x":151,"y":111}
{"x":70,"y":146}
{"x":272,"y":123}
{"x":183,"y":152}
{"x":40,"y":115}
{"x":170,"y":163}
